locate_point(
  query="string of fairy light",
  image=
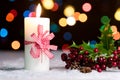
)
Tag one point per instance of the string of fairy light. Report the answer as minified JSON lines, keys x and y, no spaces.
{"x":71,"y":16}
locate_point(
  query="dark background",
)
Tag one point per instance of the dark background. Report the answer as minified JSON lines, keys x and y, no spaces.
{"x":80,"y":31}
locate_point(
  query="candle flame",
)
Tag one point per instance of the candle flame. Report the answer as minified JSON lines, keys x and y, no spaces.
{"x":38,"y":11}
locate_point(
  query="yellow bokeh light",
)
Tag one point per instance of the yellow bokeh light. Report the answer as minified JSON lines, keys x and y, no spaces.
{"x":69,"y":11}
{"x":117,"y":14}
{"x":15,"y":45}
{"x":83,"y":17}
{"x":48,"y":4}
{"x":71,"y":21}
{"x":76,"y":15}
{"x":62,"y":22}
{"x":9,"y":17}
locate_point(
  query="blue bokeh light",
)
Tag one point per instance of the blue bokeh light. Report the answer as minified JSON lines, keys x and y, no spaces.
{"x":54,"y":28}
{"x":67,"y":36}
{"x":3,"y":32}
{"x":26,"y":13}
{"x":12,"y":0}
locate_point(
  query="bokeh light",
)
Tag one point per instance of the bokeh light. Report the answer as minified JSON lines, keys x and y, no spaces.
{"x":105,"y":20}
{"x":60,"y":2}
{"x":114,"y":29}
{"x":117,"y":14}
{"x":55,"y":8}
{"x":32,"y":7}
{"x":12,"y":0}
{"x":32,"y":14}
{"x":86,"y":7}
{"x":48,"y":4}
{"x":71,"y":21}
{"x":67,"y":36}
{"x":66,"y":48}
{"x":54,"y":28}
{"x":26,"y":13}
{"x":76,"y":15}
{"x":10,"y":17}
{"x":3,"y":32}
{"x":69,"y":11}
{"x":14,"y":12}
{"x":83,"y":17}
{"x":15,"y":45}
{"x":63,"y":22}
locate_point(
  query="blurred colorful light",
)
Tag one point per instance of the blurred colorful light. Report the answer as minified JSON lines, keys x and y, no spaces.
{"x":117,"y":14}
{"x":86,"y":7}
{"x":83,"y":17}
{"x":3,"y":32}
{"x":26,"y":13}
{"x":62,"y":22}
{"x":14,"y":12}
{"x":55,"y":8}
{"x":54,"y":28}
{"x":15,"y":45}
{"x":10,"y":17}
{"x":48,"y":4}
{"x":67,"y":36}
{"x":71,"y":21}
{"x":76,"y":15}
{"x":69,"y":11}
{"x":105,"y":20}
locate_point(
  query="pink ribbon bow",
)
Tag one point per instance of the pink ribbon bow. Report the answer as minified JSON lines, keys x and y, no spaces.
{"x":41,"y":43}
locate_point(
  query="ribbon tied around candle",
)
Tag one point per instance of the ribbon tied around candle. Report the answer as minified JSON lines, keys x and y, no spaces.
{"x":41,"y":43}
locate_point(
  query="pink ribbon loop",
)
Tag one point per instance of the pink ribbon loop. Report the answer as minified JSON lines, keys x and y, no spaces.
{"x":41,"y":43}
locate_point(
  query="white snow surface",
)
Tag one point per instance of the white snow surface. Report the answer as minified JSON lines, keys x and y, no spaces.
{"x":12,"y":68}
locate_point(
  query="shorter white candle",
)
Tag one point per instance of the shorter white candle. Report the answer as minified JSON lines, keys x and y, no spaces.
{"x":31,"y":25}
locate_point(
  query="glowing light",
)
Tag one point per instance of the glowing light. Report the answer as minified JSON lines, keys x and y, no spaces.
{"x":117,"y":14}
{"x":105,"y":20}
{"x":76,"y":15}
{"x":65,"y":48}
{"x":86,"y":7}
{"x":48,"y":4}
{"x":83,"y":17}
{"x":54,"y":28}
{"x":62,"y":22}
{"x":32,"y":7}
{"x":69,"y":11}
{"x":15,"y":45}
{"x":67,"y":36}
{"x":14,"y":12}
{"x":114,"y":29}
{"x":12,"y":0}
{"x":71,"y":21}
{"x":38,"y":11}
{"x":55,"y":8}
{"x":9,"y":17}
{"x":26,"y":13}
{"x":3,"y":32}
{"x":32,"y":14}
{"x":60,"y":2}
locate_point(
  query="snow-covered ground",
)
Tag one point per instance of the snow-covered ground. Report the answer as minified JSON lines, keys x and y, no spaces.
{"x":12,"y":68}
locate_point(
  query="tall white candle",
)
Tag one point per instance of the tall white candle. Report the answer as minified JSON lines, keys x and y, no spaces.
{"x":31,"y":24}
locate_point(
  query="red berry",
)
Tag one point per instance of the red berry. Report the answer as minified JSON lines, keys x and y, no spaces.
{"x":99,"y":70}
{"x":67,"y":66}
{"x":97,"y":66}
{"x":114,"y":64}
{"x":80,"y":56}
{"x":115,"y":52}
{"x":86,"y":52}
{"x":64,"y":57}
{"x":103,"y":67}
{"x":115,"y":57}
{"x":72,"y":56}
{"x":81,"y":48}
{"x":95,"y":50}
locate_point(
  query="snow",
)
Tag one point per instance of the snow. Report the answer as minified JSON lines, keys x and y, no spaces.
{"x":12,"y":68}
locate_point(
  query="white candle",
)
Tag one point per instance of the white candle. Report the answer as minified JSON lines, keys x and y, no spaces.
{"x":31,"y":24}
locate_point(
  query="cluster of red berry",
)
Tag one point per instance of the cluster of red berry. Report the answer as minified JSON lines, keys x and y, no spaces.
{"x":100,"y":63}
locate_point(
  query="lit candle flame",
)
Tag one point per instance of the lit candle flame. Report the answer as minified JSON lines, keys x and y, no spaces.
{"x":38,"y":11}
